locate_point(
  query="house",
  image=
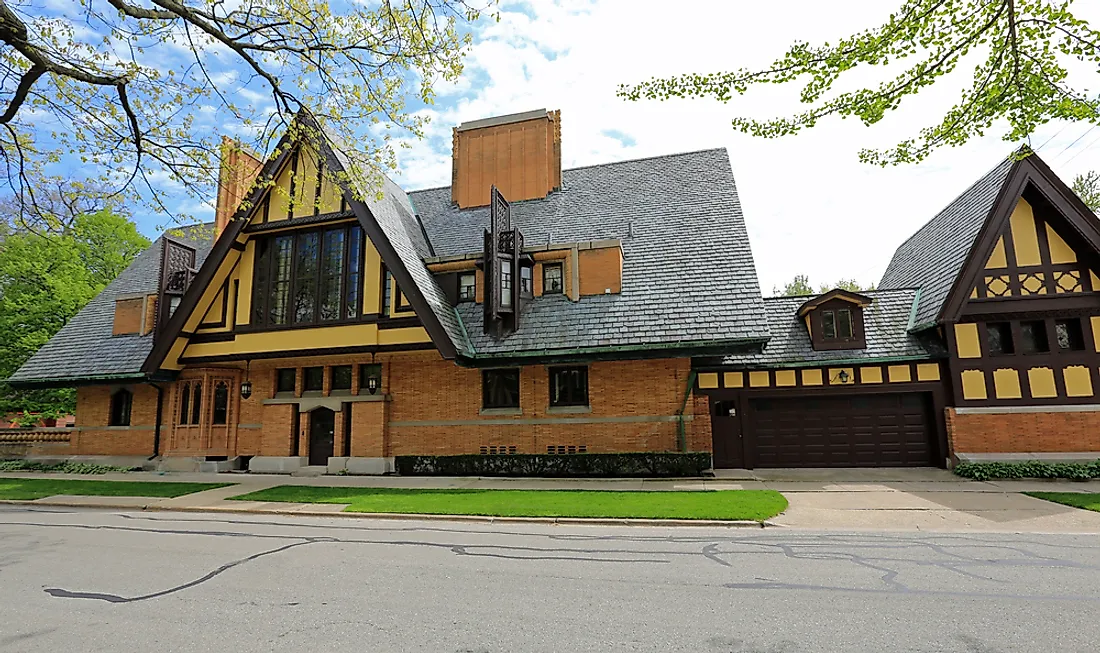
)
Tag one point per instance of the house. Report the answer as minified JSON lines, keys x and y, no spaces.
{"x":331,"y":319}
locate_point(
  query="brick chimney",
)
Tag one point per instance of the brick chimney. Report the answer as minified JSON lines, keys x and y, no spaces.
{"x":239,"y":168}
{"x":519,"y":153}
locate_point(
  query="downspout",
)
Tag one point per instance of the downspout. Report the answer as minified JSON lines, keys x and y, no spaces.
{"x":156,"y":428}
{"x":681,"y":436}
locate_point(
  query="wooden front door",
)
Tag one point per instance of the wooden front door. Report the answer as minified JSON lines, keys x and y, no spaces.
{"x":727,"y":441}
{"x":322,"y":432}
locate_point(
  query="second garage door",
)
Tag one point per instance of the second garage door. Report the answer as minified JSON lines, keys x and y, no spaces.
{"x":873,"y":430}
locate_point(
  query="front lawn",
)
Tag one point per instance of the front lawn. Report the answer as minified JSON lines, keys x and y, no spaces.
{"x":754,"y":505}
{"x":25,"y":489}
{"x":1086,"y":500}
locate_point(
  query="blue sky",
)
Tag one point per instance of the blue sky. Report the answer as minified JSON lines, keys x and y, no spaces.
{"x":810,"y":206}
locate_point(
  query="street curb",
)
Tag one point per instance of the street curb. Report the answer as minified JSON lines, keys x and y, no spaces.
{"x":581,"y":521}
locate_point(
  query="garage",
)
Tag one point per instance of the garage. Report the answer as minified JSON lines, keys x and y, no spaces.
{"x":826,"y":430}
{"x":865,"y":430}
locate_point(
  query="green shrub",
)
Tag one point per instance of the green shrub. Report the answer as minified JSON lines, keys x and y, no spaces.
{"x":1028,"y":469}
{"x":66,"y":467}
{"x":591,"y":465}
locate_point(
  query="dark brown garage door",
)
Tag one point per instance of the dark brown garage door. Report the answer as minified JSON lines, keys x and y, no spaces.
{"x":874,"y":430}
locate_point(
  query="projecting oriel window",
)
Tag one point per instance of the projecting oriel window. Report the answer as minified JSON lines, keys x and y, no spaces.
{"x":221,"y":404}
{"x":505,"y":287}
{"x":551,"y":279}
{"x":500,"y":388}
{"x":467,"y":287}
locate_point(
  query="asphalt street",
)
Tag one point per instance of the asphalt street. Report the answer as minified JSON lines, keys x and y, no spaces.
{"x":86,"y":580}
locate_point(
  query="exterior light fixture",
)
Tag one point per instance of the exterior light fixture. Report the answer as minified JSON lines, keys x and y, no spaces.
{"x":843,"y":376}
{"x":372,"y":384}
{"x":246,"y":385}
{"x":370,"y":377}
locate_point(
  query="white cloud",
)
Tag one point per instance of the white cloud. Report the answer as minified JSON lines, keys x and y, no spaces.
{"x":811,"y":207}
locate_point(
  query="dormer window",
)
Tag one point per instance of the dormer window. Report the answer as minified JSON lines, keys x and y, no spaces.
{"x":551,"y":278}
{"x":835,"y":320}
{"x":467,"y":287}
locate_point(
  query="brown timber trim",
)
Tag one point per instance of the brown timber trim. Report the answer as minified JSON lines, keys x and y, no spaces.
{"x":212,"y":337}
{"x":299,"y":353}
{"x":291,"y":223}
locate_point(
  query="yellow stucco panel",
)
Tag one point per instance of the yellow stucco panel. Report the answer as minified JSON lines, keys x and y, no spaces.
{"x":1095,"y":320}
{"x":997,"y":259}
{"x":244,"y":295}
{"x":1006,"y":384}
{"x":785,"y":378}
{"x":973,"y":384}
{"x":928,"y":372}
{"x":759,"y":379}
{"x":842,"y":376}
{"x":1041,"y":382}
{"x":1078,"y":381}
{"x":708,"y":380}
{"x":811,"y":377}
{"x":900,"y":374}
{"x":1025,"y":237}
{"x":1033,"y":283}
{"x":966,"y":340}
{"x":733,"y":380}
{"x":351,"y":335}
{"x":870,"y":375}
{"x":973,"y":293}
{"x":1060,"y":252}
{"x":1095,"y":281}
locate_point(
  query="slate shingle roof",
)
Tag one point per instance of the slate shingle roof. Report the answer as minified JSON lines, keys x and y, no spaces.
{"x":934,"y":256}
{"x":688,"y":272}
{"x":85,"y":349}
{"x":885,"y":321}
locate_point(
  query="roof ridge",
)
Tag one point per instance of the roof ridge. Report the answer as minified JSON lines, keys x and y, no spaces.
{"x":606,"y":164}
{"x":774,"y":298}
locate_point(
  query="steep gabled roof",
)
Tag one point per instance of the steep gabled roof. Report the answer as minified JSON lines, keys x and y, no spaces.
{"x":688,"y":274}
{"x":885,"y":321}
{"x":85,"y":349}
{"x":932,"y":258}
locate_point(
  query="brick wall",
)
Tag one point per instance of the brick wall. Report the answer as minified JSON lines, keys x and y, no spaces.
{"x":1036,"y":432}
{"x":434,"y":407}
{"x":93,"y":436}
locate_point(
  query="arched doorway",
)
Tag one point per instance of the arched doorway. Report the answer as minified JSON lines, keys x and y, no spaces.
{"x":322,"y":431}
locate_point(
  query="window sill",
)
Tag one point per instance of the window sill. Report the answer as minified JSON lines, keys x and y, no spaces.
{"x":284,"y":395}
{"x":566,"y":410}
{"x":500,"y":411}
{"x":313,"y":393}
{"x":345,"y":392}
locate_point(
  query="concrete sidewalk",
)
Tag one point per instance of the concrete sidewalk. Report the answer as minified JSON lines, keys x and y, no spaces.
{"x":895,"y":500}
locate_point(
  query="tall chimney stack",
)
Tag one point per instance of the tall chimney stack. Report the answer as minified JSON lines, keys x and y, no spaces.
{"x":239,"y":168}
{"x":520,"y":154}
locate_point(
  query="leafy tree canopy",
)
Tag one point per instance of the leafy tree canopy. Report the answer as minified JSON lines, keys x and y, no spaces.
{"x":44,"y":280}
{"x":800,"y":286}
{"x":136,"y":88}
{"x":1017,"y":53}
{"x":1087,"y":187}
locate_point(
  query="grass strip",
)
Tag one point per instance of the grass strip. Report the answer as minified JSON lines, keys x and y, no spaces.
{"x":1084,"y":500}
{"x":26,"y":489}
{"x":753,"y":505}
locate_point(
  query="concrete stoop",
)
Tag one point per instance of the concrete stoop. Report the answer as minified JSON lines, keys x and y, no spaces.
{"x":299,"y":466}
{"x":197,"y":464}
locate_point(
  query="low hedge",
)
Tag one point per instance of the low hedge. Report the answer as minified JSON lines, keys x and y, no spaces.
{"x":590,"y":465}
{"x":1028,"y":469}
{"x":66,"y":467}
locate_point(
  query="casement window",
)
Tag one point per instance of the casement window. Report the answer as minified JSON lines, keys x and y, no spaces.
{"x":190,"y":403}
{"x":1069,"y":334}
{"x":285,"y":379}
{"x":526,"y":281}
{"x":387,"y":292}
{"x":308,"y":277}
{"x":568,"y":386}
{"x":467,"y":287}
{"x":313,"y":379}
{"x":341,"y":378}
{"x":121,"y":402}
{"x":998,"y":339}
{"x":836,"y":325}
{"x":505,"y":286}
{"x":1033,"y":337}
{"x":500,"y":388}
{"x":220,"y":412}
{"x":552,"y":279}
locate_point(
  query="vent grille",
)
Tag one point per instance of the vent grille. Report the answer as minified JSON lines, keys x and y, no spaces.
{"x":566,"y":448}
{"x":498,"y":450}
